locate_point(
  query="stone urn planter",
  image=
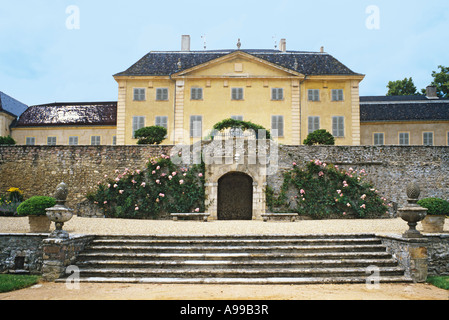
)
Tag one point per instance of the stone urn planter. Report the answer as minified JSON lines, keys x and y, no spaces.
{"x":39,"y":224}
{"x":412,"y":213}
{"x":60,"y":214}
{"x":438,"y":209}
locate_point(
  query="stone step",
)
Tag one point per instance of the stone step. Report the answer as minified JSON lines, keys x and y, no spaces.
{"x":230,"y":242}
{"x":192,"y":264}
{"x":98,"y":256}
{"x":235,"y":248}
{"x":245,"y":281}
{"x":235,"y":272}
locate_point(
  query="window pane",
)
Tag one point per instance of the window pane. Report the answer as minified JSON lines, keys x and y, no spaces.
{"x":277,"y":94}
{"x":277,"y":125}
{"x":428,"y":138}
{"x":95,"y":140}
{"x":338,"y":126}
{"x":314,"y":124}
{"x":139,"y":94}
{"x":51,"y":141}
{"x":314,"y":95}
{"x":378,"y":139}
{"x":237,"y":93}
{"x":197,"y":93}
{"x":196,"y":125}
{"x":404,"y":139}
{"x":162,"y":94}
{"x":138,"y":123}
{"x":337,"y":95}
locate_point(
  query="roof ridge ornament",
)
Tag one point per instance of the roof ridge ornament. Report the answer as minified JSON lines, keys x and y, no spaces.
{"x":239,"y":45}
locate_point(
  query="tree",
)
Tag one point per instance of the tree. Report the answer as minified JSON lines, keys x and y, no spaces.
{"x":7,"y":140}
{"x":322,"y":137}
{"x":404,"y":87}
{"x":441,"y":81}
{"x":151,"y":135}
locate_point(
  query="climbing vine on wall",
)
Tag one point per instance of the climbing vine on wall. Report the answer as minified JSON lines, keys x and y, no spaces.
{"x":160,"y":189}
{"x":321,"y":191}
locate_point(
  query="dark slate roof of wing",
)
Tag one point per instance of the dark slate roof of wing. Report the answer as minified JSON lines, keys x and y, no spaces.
{"x":166,"y":63}
{"x":11,"y":105}
{"x":404,"y":108}
{"x":63,"y":114}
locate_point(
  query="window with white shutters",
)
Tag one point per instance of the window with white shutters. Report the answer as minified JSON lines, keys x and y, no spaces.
{"x":314,"y":124}
{"x":196,"y":94}
{"x":337,"y":95}
{"x":404,"y":138}
{"x":162,"y":94}
{"x":277,"y":126}
{"x":138,"y":123}
{"x":95,"y":140}
{"x":428,"y":138}
{"x":237,"y":93}
{"x":338,"y":126}
{"x":139,"y":94}
{"x":379,"y":139}
{"x":196,"y":126}
{"x":277,"y":94}
{"x":314,"y":95}
{"x":73,"y":141}
{"x":51,"y":141}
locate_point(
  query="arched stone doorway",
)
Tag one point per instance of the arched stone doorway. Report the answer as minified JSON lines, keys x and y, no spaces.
{"x":235,"y":197}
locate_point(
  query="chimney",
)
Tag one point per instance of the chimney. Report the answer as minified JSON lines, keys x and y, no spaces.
{"x":431,"y":92}
{"x":322,"y":49}
{"x":185,"y":44}
{"x":283,"y":45}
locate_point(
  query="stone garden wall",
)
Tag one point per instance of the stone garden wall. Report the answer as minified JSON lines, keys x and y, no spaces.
{"x":37,"y":170}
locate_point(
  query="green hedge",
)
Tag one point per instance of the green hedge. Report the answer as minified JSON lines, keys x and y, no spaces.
{"x":435,"y":206}
{"x":36,"y":206}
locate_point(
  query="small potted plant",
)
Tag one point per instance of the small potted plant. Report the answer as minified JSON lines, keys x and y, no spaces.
{"x":438,"y":209}
{"x":34,"y":208}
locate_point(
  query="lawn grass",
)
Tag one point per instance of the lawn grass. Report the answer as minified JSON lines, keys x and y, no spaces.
{"x":440,"y":282}
{"x":10,"y":282}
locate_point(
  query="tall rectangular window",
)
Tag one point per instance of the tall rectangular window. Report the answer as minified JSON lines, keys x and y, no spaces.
{"x":428,"y":138}
{"x":162,"y":122}
{"x":95,"y":140}
{"x":404,"y":138}
{"x":139,"y":94}
{"x":196,"y":126}
{"x":379,"y":139}
{"x":338,"y":127}
{"x":114,"y":140}
{"x":337,"y":95}
{"x":162,"y":94}
{"x":73,"y":141}
{"x":51,"y":141}
{"x":30,"y":141}
{"x":277,"y":94}
{"x":237,"y":93}
{"x":314,"y":124}
{"x":196,"y":94}
{"x":138,"y":123}
{"x":277,"y":126}
{"x":314,"y":94}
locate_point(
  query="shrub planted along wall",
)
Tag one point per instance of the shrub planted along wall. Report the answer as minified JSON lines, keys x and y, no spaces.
{"x":323,"y":191}
{"x":162,"y":188}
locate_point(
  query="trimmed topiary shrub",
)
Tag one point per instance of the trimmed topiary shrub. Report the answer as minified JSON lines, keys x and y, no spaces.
{"x":36,"y":206}
{"x":151,"y":135}
{"x":435,"y":206}
{"x":320,"y":137}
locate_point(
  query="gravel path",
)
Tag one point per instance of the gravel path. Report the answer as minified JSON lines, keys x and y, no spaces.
{"x":144,"y":227}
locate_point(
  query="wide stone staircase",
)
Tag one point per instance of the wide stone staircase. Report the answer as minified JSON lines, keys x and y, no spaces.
{"x":272,"y":259}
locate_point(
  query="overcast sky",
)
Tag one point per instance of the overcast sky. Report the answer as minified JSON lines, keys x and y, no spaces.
{"x":64,"y":51}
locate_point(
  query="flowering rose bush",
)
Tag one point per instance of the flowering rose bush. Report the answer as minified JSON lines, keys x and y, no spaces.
{"x":323,"y":191}
{"x":162,"y":188}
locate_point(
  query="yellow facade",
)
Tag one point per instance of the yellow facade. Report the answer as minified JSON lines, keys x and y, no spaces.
{"x":62,"y":135}
{"x":256,"y":78}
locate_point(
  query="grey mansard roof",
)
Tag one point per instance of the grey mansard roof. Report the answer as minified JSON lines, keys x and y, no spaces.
{"x":63,"y":114}
{"x":403,"y":108}
{"x":11,"y":105}
{"x":166,"y":63}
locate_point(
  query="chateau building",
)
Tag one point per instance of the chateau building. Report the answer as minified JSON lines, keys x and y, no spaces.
{"x":291,"y":93}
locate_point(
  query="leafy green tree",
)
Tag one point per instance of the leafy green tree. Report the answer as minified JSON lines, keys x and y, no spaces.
{"x":404,"y":87}
{"x":151,"y":135}
{"x":322,"y":137}
{"x":441,"y":81}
